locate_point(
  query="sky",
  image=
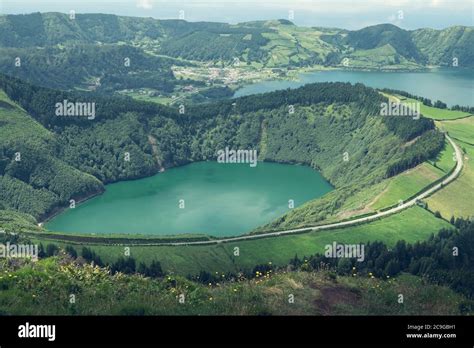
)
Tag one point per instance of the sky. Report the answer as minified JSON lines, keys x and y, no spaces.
{"x":348,"y":14}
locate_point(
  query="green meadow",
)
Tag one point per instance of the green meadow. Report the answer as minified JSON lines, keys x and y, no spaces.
{"x":437,"y":113}
{"x":407,"y":184}
{"x":413,"y":224}
{"x":456,"y":199}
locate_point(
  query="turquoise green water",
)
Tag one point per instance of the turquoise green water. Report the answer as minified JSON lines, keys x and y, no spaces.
{"x":219,"y":200}
{"x":452,"y":86}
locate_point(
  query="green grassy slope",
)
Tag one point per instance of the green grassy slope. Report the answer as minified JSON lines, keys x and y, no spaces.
{"x":462,"y":130}
{"x":442,"y":46}
{"x":44,"y":288}
{"x":382,"y":35}
{"x":411,"y":225}
{"x":16,"y":125}
{"x":407,"y":184}
{"x":18,"y":222}
{"x":456,"y":198}
{"x":437,"y":113}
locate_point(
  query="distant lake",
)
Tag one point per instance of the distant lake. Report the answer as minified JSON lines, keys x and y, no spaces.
{"x":219,"y":200}
{"x":451,"y":86}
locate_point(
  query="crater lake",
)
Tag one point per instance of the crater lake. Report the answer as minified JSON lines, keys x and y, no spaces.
{"x":203,"y":197}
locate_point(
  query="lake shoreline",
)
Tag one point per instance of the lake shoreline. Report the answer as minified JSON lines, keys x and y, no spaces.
{"x":240,"y":177}
{"x":456,"y":82}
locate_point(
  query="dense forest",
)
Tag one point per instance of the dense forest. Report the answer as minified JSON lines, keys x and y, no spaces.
{"x":226,"y":45}
{"x":103,"y":68}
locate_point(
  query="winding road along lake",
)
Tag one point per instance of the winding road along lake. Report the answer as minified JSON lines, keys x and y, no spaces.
{"x":219,"y":200}
{"x":452,"y":86}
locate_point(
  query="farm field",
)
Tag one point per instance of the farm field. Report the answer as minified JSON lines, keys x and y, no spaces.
{"x":437,"y":113}
{"x":414,"y":180}
{"x":457,"y":198}
{"x":462,"y":129}
{"x":400,"y":187}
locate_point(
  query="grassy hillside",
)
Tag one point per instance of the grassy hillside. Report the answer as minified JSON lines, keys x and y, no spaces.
{"x":15,"y":221}
{"x":409,"y":183}
{"x":424,"y":272}
{"x":44,"y":288}
{"x":461,"y":130}
{"x":456,"y":199}
{"x":384,"y":56}
{"x":382,"y":35}
{"x":436,"y":113}
{"x":440,"y":47}
{"x":414,"y":224}
{"x":431,"y":283}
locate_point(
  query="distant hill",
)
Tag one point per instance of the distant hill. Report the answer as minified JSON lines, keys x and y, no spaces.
{"x":89,"y":66}
{"x":385,"y":34}
{"x":276,"y":43}
{"x":440,"y":47}
{"x":46,"y":29}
